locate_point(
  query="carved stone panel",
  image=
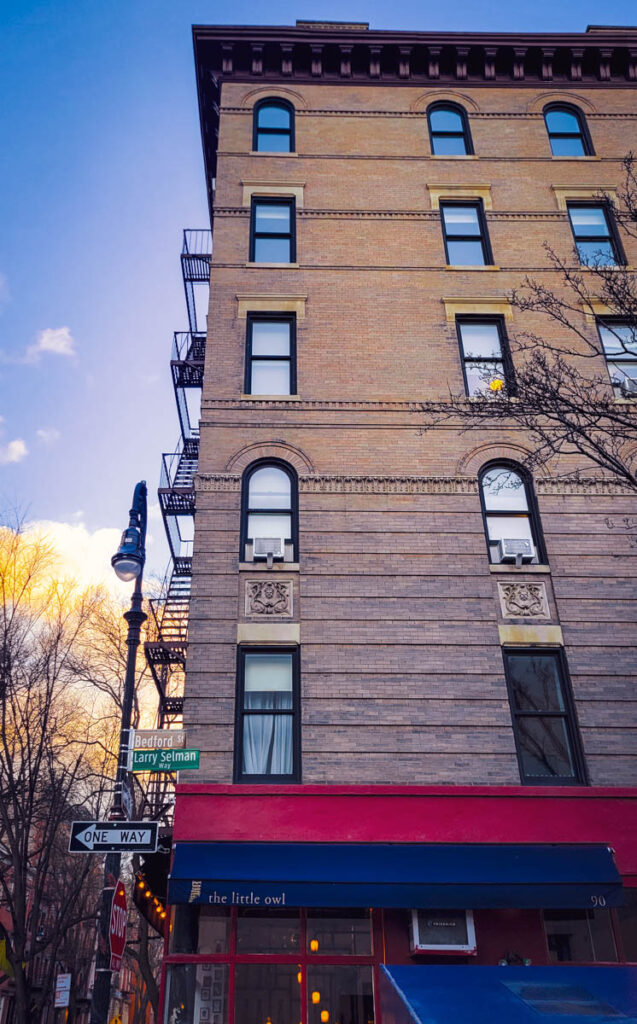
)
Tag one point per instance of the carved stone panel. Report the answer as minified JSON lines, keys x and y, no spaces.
{"x":267,"y":599}
{"x":523,"y":601}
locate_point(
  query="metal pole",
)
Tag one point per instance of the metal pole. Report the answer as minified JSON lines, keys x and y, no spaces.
{"x":101,"y":998}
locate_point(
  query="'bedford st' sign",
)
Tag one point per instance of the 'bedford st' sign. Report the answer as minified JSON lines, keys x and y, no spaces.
{"x":158,"y":739}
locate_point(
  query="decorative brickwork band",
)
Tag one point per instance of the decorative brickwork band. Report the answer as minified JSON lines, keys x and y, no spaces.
{"x":523,"y":600}
{"x":267,"y":598}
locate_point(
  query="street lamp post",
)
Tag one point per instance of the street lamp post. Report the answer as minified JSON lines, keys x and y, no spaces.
{"x":128,"y":563}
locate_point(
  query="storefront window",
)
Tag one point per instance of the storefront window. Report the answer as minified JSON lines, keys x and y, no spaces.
{"x":339,"y":994}
{"x":268,"y":931}
{"x":339,"y":932}
{"x":202,"y":930}
{"x":197,"y":993}
{"x":267,"y":994}
{"x":580,"y":936}
{"x":627,"y":918}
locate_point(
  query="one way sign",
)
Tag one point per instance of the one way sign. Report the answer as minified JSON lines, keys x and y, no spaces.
{"x":113,"y":837}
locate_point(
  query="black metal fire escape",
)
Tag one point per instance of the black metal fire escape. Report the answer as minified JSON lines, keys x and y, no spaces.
{"x":166,"y":654}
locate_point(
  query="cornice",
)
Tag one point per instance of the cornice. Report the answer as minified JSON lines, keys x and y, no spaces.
{"x":501,"y":115}
{"x":305,"y":214}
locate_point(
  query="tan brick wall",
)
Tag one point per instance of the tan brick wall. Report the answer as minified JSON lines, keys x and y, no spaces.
{"x":401,"y":668}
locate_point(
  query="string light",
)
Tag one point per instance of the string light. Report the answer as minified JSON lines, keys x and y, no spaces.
{"x":314,"y":945}
{"x":325,"y":1016}
{"x":316,"y":997}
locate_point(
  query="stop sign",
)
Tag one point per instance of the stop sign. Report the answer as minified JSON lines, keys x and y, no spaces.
{"x":117,"y":929}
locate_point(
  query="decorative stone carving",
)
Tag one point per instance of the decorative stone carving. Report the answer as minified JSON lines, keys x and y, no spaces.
{"x":523,"y":600}
{"x":269,"y":598}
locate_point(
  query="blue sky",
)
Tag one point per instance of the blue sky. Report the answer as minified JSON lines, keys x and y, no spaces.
{"x":102,"y":169}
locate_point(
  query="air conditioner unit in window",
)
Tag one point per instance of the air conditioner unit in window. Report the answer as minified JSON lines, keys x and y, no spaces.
{"x":516,"y":549}
{"x":442,"y":931}
{"x":627,"y":386}
{"x":265,"y":547}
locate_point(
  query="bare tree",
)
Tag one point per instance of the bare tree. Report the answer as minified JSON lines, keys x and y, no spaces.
{"x":573,"y":390}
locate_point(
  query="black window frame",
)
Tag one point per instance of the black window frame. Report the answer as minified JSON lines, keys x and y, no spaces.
{"x":508,"y":371}
{"x":569,"y":715}
{"x":624,"y":356}
{"x":291,"y":235}
{"x":293,"y":511}
{"x":612,"y":237}
{"x":273,"y":101}
{"x":478,"y":205}
{"x":287,"y":318}
{"x":533,"y":511}
{"x":294,"y":712}
{"x":465,"y":134}
{"x":583,"y":134}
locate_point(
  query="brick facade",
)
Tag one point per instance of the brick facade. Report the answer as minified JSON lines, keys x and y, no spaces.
{"x":401,"y":668}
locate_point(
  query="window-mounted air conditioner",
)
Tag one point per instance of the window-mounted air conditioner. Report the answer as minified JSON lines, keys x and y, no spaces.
{"x":442,"y":931}
{"x":265,"y":547}
{"x":516,"y":549}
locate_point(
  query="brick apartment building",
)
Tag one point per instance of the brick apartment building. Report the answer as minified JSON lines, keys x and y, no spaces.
{"x":417,"y":795}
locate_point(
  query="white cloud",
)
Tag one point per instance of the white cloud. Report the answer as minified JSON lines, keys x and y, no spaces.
{"x":13,"y":451}
{"x":83,"y":555}
{"x":47,"y":435}
{"x":57,"y":340}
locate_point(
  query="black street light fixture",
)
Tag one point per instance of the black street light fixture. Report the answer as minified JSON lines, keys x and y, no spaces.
{"x":128,"y":563}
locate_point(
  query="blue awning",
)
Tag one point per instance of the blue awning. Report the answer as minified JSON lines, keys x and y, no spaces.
{"x":394,"y":875}
{"x":508,"y":995}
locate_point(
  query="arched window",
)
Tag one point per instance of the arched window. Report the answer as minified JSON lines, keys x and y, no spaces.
{"x":511,"y":521}
{"x":273,"y":130}
{"x":567,"y":131}
{"x":449,"y":130}
{"x":269,"y":512}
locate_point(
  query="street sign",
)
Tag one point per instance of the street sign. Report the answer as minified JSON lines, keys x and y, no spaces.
{"x":164,"y":760}
{"x":62,"y":990}
{"x":158,"y":739}
{"x":117,"y":927}
{"x":113,"y":837}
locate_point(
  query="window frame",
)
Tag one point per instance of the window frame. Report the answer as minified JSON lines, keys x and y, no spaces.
{"x":273,"y":101}
{"x":569,"y":716}
{"x":612,"y":237}
{"x":288,"y":318}
{"x":246,"y":510}
{"x":466,"y":130}
{"x":478,"y":205}
{"x":289,"y":201}
{"x":508,"y":371}
{"x":294,"y":713}
{"x":610,"y":323}
{"x":583,"y":134}
{"x":533,"y":511}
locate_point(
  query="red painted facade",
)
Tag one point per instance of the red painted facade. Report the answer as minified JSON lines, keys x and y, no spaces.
{"x":418,"y":814}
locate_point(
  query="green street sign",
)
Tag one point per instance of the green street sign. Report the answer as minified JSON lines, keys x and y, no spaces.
{"x":164,"y":760}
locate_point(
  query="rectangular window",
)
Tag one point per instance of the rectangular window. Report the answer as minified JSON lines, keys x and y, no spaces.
{"x":486,"y":362}
{"x":344,"y":991}
{"x":270,"y":356}
{"x":579,"y":936}
{"x":546,"y":735}
{"x":272,"y":235}
{"x":267,"y":742}
{"x":619,"y":341}
{"x":465,"y":233}
{"x":596,"y":241}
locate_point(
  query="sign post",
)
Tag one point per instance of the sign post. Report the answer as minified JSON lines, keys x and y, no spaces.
{"x":117,"y":927}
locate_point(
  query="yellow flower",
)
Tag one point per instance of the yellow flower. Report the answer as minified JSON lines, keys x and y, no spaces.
{"x":496,"y":384}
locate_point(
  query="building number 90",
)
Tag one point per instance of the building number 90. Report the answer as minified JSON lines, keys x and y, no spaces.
{"x":598,"y":901}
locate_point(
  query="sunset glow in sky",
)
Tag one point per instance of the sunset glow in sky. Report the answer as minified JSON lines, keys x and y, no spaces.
{"x":101,"y":171}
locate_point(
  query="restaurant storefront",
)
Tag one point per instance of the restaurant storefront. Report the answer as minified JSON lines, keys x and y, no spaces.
{"x":296,"y":909}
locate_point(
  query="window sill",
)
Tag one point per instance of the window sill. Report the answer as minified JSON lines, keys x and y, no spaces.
{"x":262,"y":566}
{"x":584,"y":268}
{"x":270,"y":398}
{"x":269,"y":152}
{"x":624,"y":401}
{"x":276,"y":266}
{"x":525,"y":567}
{"x":453,"y":156}
{"x":469,"y":266}
{"x":577,"y":159}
